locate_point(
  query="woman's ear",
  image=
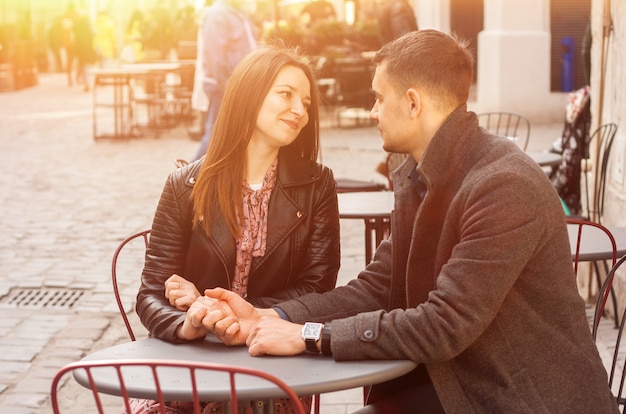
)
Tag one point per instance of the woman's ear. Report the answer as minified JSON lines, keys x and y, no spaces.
{"x":414,"y":101}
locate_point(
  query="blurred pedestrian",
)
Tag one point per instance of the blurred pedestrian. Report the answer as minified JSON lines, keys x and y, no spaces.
{"x":105,"y":39}
{"x":53,"y":37}
{"x":199,"y":100}
{"x":67,"y":39}
{"x":396,"y":18}
{"x":317,"y":11}
{"x":228,"y":35}
{"x":83,"y":47}
{"x":133,"y":50}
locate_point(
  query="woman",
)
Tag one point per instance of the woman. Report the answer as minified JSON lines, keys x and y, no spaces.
{"x":256,"y":215}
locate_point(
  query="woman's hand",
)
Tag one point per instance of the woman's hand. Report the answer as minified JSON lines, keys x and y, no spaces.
{"x":180,"y":292}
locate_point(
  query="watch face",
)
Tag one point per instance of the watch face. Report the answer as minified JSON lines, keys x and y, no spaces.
{"x":312,"y":330}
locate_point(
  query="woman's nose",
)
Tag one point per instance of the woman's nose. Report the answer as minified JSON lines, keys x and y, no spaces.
{"x":298,"y":108}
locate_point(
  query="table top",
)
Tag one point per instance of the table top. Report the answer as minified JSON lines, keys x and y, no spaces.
{"x":307,"y":374}
{"x":136,"y":68}
{"x":545,"y":159}
{"x":365,"y":204}
{"x":594,"y":244}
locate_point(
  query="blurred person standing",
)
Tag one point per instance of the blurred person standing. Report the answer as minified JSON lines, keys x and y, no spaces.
{"x":105,"y":39}
{"x":199,"y":100}
{"x":317,"y":11}
{"x":84,"y":49}
{"x":67,"y":39}
{"x":133,"y":50}
{"x":228,"y":35}
{"x":53,"y":37}
{"x":396,"y":18}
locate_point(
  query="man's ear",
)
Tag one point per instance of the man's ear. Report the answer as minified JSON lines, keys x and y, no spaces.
{"x":414,"y":101}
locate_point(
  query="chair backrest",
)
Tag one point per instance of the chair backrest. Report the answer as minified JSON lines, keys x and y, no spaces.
{"x":582,"y":223}
{"x":191,"y":370}
{"x":603,"y":138}
{"x":616,"y":386}
{"x":511,"y":125}
{"x":114,"y":270}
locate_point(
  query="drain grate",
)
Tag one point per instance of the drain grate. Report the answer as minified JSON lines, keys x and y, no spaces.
{"x":42,"y":298}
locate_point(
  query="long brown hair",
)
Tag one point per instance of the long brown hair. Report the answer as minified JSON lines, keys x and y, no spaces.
{"x":219,"y":182}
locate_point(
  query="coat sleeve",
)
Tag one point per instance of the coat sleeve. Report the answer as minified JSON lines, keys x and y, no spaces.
{"x":164,"y":257}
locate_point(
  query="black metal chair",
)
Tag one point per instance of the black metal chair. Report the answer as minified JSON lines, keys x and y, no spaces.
{"x":511,"y":125}
{"x":602,"y":138}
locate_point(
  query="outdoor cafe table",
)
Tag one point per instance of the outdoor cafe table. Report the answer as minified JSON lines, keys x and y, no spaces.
{"x":306,"y":374}
{"x":374,"y":207}
{"x":545,"y":159}
{"x":119,"y":78}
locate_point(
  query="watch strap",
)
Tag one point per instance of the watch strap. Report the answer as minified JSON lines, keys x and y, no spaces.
{"x":311,"y":346}
{"x":326,"y":350}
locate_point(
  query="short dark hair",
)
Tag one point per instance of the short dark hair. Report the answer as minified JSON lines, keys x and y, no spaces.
{"x":438,"y":63}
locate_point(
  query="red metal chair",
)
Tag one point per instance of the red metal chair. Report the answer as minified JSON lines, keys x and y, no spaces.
{"x":145,"y":235}
{"x":114,"y":268}
{"x":616,"y":371}
{"x":194,"y":369}
{"x":582,"y":223}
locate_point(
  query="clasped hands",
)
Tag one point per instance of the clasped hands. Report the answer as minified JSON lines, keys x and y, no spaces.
{"x":232,"y":319}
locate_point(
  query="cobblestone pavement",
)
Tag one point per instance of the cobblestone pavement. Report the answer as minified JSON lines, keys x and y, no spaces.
{"x":67,"y":201}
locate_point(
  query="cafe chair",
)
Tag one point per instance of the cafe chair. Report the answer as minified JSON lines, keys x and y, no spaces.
{"x":119,"y":377}
{"x":584,"y":226}
{"x":511,"y":125}
{"x":602,"y":139}
{"x":115,"y":265}
{"x":617,"y":374}
{"x":148,"y":103}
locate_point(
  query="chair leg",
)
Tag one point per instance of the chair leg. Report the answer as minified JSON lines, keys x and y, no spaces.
{"x":596,"y":269}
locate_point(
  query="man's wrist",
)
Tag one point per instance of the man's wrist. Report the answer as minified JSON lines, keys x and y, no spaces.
{"x":281,"y":313}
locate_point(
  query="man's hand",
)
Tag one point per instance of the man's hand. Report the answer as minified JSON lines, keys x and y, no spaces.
{"x":239,"y":316}
{"x":275,"y":336}
{"x":180,"y":292}
{"x":202,"y":317}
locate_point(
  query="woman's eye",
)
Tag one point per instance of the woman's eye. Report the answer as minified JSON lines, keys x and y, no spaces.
{"x":285,"y":94}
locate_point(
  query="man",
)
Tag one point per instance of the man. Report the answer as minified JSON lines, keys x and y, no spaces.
{"x":227,"y":36}
{"x":475,"y":284}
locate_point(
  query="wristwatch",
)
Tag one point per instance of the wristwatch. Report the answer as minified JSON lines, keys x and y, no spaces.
{"x":311,"y":333}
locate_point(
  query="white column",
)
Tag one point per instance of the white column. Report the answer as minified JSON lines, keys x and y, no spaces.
{"x":514,"y":60}
{"x":432,"y":14}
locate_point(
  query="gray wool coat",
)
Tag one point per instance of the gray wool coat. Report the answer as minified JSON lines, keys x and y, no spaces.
{"x":476,"y":283}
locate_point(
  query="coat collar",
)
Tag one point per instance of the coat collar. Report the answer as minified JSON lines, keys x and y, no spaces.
{"x":449,"y":150}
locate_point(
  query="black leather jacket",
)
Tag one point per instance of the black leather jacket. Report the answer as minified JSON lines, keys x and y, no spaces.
{"x":302,"y":253}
